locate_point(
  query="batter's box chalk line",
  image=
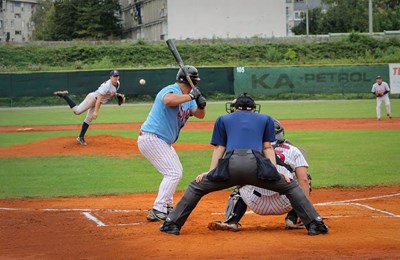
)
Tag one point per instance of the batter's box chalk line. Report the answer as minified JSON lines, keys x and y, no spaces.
{"x":351,"y":202}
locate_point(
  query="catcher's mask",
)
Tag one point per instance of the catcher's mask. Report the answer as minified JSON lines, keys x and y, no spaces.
{"x":242,"y":102}
{"x":193,"y":74}
{"x":279,"y":131}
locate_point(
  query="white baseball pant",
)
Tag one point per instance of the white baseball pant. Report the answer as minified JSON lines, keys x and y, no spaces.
{"x":165,"y":159}
{"x":265,"y":202}
{"x":379,"y":101}
{"x":87,"y":104}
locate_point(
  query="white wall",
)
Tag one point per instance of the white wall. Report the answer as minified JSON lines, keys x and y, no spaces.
{"x":197,"y":19}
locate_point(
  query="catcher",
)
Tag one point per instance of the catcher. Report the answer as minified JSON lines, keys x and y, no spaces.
{"x":292,"y":164}
{"x":93,"y":101}
{"x":381,"y":91}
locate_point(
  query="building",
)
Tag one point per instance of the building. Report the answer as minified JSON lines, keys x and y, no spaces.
{"x":15,"y":24}
{"x":156,"y":20}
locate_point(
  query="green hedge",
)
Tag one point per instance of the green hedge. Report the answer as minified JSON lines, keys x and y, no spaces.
{"x":353,"y":49}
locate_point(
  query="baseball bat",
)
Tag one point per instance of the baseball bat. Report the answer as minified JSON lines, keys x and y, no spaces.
{"x":178,"y":58}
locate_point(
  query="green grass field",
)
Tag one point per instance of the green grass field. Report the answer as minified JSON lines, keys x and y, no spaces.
{"x":337,"y":158}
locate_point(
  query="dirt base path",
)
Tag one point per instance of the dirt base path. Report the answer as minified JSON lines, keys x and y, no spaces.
{"x":364,"y":223}
{"x":290,"y":124}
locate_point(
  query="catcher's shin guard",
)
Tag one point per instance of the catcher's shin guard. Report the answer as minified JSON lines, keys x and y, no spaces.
{"x":235,"y":208}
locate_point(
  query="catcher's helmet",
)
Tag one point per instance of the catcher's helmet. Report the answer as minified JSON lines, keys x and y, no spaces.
{"x":279,"y":131}
{"x":192,"y":72}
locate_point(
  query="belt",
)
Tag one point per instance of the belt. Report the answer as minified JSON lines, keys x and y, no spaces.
{"x":257,"y":193}
{"x":146,"y":133}
{"x":243,"y":152}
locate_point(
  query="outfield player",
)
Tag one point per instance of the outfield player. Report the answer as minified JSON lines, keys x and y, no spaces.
{"x":381,"y":91}
{"x":92,"y":102}
{"x":292,"y":164}
{"x":171,"y":109}
{"x":243,"y":155}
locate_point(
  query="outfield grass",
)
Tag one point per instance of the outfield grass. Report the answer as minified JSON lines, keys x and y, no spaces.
{"x":336,"y":158}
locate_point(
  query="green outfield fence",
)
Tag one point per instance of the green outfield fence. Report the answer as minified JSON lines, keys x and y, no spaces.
{"x":229,"y":80}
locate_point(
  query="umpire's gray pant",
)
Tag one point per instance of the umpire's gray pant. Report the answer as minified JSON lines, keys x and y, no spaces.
{"x":243,"y":171}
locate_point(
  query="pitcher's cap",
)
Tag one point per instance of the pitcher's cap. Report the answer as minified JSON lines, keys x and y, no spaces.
{"x":114,"y":73}
{"x":378,"y":77}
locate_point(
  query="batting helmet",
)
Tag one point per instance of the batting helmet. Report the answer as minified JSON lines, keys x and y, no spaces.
{"x":192,"y":72}
{"x":279,"y":131}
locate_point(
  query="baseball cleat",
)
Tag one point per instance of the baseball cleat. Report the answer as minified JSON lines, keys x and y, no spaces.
{"x":292,"y":222}
{"x":219,"y":225}
{"x":81,"y":140}
{"x":317,"y":227}
{"x":155,"y":215}
{"x":390,"y":116}
{"x":61,"y":93}
{"x":170,"y":227}
{"x":289,"y":224}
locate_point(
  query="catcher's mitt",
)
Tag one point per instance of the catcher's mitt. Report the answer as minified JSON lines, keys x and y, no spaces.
{"x":120,"y":98}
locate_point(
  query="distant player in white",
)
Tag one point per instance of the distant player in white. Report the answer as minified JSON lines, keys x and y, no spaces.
{"x":381,"y":90}
{"x":171,"y":109}
{"x":92,"y":102}
{"x":292,"y":164}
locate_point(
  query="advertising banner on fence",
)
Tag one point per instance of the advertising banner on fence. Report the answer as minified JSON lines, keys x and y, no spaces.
{"x":394,"y":78}
{"x":307,"y":79}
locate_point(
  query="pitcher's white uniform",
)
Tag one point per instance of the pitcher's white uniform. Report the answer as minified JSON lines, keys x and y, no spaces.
{"x":107,"y":89}
{"x":266,"y":202}
{"x":382,"y":88}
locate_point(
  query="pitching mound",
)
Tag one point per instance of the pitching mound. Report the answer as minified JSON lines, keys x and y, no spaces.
{"x":100,"y":144}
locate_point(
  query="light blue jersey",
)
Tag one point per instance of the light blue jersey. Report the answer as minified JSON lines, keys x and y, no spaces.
{"x":166,"y":122}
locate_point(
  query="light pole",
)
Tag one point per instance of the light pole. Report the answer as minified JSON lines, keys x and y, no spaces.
{"x":371,"y":30}
{"x":307,"y":26}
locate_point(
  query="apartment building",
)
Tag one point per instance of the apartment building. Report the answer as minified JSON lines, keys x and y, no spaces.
{"x":156,"y":20}
{"x":15,"y":24}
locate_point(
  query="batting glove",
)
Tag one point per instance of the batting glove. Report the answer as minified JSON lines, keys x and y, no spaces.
{"x":194,"y":93}
{"x":201,"y":102}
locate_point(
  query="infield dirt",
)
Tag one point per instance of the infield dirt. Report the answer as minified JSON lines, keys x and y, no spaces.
{"x":364,"y":223}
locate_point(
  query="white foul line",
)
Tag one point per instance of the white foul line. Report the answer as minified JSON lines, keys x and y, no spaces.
{"x":375,"y":209}
{"x":93,"y":218}
{"x":345,"y":201}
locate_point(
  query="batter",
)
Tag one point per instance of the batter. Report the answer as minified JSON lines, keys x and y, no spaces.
{"x":172,"y":108}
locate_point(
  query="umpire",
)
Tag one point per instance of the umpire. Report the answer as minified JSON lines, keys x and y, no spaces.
{"x":243,"y":155}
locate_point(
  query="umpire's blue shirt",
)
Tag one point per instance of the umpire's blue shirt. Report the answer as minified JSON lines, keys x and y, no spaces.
{"x":243,"y":130}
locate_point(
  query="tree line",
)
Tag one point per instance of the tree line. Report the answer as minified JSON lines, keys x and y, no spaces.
{"x":65,"y":20}
{"x":344,"y":16}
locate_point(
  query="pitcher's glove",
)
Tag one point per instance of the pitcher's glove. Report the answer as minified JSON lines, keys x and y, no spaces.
{"x":378,"y":94}
{"x":201,"y":102}
{"x":120,"y":98}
